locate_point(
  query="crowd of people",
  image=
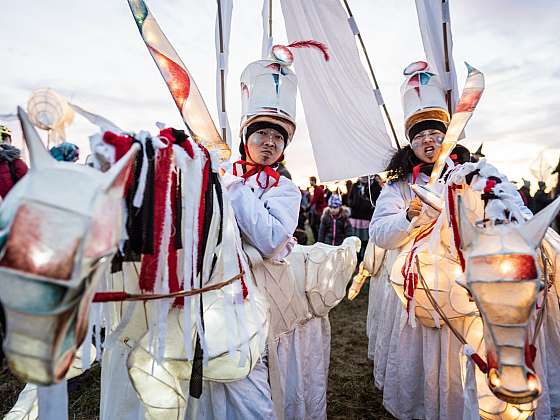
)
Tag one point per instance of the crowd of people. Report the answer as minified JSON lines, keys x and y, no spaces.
{"x":331,"y":216}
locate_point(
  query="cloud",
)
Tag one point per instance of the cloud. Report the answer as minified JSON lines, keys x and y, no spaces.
{"x":95,"y":57}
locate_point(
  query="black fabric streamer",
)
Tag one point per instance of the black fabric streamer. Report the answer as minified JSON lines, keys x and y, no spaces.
{"x":139,"y":223}
{"x":178,"y":212}
{"x":148,"y":203}
{"x":195,"y":383}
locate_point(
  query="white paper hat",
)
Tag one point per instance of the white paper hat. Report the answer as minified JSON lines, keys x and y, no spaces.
{"x":423,"y":97}
{"x":268,"y":92}
{"x":269,"y":88}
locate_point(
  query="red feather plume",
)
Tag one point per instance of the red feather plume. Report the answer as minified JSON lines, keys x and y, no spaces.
{"x":312,"y":44}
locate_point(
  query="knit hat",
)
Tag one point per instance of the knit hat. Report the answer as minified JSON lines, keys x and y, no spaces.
{"x":65,"y":152}
{"x":335,"y":201}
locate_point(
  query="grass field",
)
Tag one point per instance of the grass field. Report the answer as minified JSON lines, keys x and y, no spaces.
{"x":351,"y":394}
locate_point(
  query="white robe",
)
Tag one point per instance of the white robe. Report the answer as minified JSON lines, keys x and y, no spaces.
{"x":267,"y":219}
{"x":419,"y":368}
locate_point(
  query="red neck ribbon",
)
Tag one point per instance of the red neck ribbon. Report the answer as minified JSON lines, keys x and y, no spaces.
{"x":251,"y":169}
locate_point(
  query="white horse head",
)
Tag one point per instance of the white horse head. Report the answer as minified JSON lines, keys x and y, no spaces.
{"x":503,"y":276}
{"x":59,"y":227}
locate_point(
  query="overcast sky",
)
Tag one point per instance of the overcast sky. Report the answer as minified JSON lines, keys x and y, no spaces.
{"x":92,"y":54}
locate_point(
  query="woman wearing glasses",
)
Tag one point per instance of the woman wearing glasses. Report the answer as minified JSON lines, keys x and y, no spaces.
{"x":416,"y":367}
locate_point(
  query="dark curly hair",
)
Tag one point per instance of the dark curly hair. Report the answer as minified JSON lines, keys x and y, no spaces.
{"x":401,"y":164}
{"x":404,"y":160}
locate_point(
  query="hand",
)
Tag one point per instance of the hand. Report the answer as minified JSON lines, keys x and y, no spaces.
{"x":414,"y":208}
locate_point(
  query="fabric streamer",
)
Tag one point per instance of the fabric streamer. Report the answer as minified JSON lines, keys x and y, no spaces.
{"x":470,"y":395}
{"x":346,"y":128}
{"x":53,"y":401}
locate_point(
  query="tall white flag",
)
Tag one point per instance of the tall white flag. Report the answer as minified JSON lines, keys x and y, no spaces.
{"x":346,"y":128}
{"x":433,"y":16}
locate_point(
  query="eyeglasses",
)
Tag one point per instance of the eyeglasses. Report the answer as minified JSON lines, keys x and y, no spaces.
{"x":269,"y":136}
{"x":435,"y":135}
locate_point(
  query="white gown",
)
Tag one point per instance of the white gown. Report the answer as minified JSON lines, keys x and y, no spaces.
{"x":267,"y":219}
{"x":418,"y":369}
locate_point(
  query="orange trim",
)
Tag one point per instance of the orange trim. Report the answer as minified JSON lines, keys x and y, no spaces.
{"x":426,"y":114}
{"x":289,"y":126}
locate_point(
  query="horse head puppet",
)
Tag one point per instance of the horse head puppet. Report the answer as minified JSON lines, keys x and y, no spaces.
{"x":504,"y":277}
{"x":59,"y":228}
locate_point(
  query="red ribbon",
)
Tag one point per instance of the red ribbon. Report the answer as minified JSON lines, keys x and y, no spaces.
{"x":255,"y":168}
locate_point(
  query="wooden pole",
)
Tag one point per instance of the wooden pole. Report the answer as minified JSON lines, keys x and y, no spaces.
{"x":386,"y":111}
{"x":222,"y":71}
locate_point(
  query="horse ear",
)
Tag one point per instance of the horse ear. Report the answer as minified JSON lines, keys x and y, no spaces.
{"x":117,"y":176}
{"x":534,"y":229}
{"x":467,"y":230}
{"x":38,"y":153}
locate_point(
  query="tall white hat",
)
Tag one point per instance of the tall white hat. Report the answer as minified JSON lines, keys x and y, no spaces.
{"x":423,"y":98}
{"x":269,"y":88}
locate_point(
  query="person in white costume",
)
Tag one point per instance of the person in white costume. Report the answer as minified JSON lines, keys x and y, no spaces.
{"x":266,"y":207}
{"x":412,"y":365}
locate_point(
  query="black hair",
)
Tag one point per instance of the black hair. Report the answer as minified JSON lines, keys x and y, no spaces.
{"x":404,"y":160}
{"x":402,"y":163}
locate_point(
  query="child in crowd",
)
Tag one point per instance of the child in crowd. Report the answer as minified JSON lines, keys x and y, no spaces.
{"x":335,"y":222}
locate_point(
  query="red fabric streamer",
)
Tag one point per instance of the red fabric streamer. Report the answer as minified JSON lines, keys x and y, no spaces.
{"x":490,"y":183}
{"x":455,"y":224}
{"x":410,"y":277}
{"x":122,"y":144}
{"x":312,"y":44}
{"x":479,"y":362}
{"x":530,"y":355}
{"x":150,"y":263}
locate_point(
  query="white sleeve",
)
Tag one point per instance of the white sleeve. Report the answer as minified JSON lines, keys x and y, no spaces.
{"x":389,"y":226}
{"x":269,"y":222}
{"x":517,"y":197}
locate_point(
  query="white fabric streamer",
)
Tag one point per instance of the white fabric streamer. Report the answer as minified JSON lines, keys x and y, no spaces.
{"x":470,"y":397}
{"x":191,"y":190}
{"x":345,"y":124}
{"x":162,"y":276}
{"x":86,"y":345}
{"x":53,"y":401}
{"x":139,"y":195}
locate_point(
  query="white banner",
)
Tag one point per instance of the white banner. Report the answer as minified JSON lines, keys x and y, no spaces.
{"x":431,"y":15}
{"x":347,"y":132}
{"x":222,"y":61}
